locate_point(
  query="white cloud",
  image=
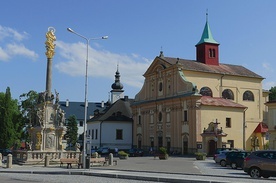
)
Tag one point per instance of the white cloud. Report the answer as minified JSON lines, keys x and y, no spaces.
{"x":101,"y":63}
{"x":11,"y":44}
{"x":267,"y":66}
{"x":3,"y":55}
{"x":19,"y":49}
{"x":6,"y":32}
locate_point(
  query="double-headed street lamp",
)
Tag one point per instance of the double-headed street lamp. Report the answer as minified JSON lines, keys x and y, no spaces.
{"x":85,"y":91}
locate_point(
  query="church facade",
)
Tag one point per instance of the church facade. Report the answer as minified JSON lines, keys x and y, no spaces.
{"x":199,"y":105}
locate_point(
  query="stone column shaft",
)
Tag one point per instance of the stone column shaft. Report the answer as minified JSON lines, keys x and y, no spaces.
{"x":49,"y":79}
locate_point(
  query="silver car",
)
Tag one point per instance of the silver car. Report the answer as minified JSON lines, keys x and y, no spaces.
{"x":221,"y":158}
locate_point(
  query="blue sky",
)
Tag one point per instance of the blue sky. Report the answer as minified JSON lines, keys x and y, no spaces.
{"x":137,"y":30}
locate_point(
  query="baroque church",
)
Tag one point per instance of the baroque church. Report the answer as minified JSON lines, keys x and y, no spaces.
{"x":199,"y":105}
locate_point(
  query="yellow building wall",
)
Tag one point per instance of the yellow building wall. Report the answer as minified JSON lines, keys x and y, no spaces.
{"x":218,"y":82}
{"x":211,"y":114}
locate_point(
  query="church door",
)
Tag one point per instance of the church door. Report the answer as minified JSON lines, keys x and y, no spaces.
{"x":212,"y":147}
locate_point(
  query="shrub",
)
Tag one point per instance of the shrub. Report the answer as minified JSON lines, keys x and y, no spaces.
{"x":201,"y":154}
{"x":163,"y":150}
{"x":122,"y":153}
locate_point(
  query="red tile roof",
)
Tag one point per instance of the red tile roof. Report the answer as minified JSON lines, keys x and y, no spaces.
{"x":226,"y":69}
{"x":220,"y":102}
{"x":261,"y":128}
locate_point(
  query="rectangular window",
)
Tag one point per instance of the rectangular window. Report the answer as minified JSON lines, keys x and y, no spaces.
{"x":185,"y":115}
{"x":93,"y":134}
{"x":139,"y":120}
{"x":228,"y":122}
{"x":89,"y":132}
{"x":119,"y":134}
{"x":81,"y":123}
{"x":96,"y":136}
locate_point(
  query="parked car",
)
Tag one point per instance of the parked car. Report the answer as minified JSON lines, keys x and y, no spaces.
{"x":5,"y":152}
{"x":103,"y":150}
{"x":221,"y":157}
{"x":235,"y":159}
{"x":135,"y":152}
{"x":218,"y":150}
{"x":261,"y":163}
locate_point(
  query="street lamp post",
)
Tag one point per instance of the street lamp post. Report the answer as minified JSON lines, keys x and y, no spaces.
{"x":85,"y":91}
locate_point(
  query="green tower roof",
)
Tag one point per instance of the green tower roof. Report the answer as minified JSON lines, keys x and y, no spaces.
{"x":207,"y":36}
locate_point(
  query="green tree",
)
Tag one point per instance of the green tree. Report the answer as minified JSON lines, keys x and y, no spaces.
{"x":28,"y":107}
{"x":272,"y":94}
{"x":10,"y":117}
{"x":28,"y":103}
{"x":72,"y":130}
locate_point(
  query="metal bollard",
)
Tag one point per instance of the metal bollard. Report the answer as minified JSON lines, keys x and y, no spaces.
{"x":1,"y":158}
{"x":47,"y":161}
{"x":9,"y":161}
{"x":80,"y":162}
{"x":110,"y":159}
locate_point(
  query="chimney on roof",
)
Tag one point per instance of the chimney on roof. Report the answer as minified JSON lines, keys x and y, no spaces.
{"x":102,"y":104}
{"x":126,"y":98}
{"x":67,"y":103}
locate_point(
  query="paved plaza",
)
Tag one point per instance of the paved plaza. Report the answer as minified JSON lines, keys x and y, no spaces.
{"x":175,"y":169}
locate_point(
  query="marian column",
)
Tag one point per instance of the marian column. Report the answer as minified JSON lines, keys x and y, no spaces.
{"x":50,"y":51}
{"x":48,"y":126}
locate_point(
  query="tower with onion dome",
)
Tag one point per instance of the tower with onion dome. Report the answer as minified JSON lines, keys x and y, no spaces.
{"x":117,"y":91}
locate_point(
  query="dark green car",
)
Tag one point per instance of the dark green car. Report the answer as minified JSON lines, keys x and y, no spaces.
{"x":235,"y":159}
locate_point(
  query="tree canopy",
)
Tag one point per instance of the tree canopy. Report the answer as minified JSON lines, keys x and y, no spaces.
{"x":11,"y":121}
{"x":272,"y":94}
{"x":72,"y":131}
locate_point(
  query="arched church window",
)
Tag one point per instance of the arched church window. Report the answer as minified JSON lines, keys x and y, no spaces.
{"x":206,"y":91}
{"x":210,"y":53}
{"x":228,"y":94}
{"x":213,"y":53}
{"x":248,"y":95}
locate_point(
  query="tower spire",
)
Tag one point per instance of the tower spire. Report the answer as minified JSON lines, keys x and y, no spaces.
{"x":207,"y":15}
{"x":117,"y":88}
{"x":207,"y":47}
{"x":207,"y":36}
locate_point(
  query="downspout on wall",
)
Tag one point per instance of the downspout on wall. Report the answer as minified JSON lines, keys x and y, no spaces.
{"x":101,"y":134}
{"x":221,"y":85}
{"x":244,"y":126}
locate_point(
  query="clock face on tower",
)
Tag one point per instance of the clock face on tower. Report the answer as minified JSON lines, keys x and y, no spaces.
{"x":117,"y":97}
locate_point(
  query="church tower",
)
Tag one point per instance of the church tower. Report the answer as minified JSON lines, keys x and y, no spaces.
{"x":207,"y":49}
{"x":117,"y":91}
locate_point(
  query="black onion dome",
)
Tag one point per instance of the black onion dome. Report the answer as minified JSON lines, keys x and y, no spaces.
{"x":117,"y":85}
